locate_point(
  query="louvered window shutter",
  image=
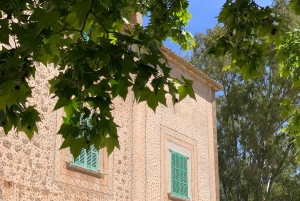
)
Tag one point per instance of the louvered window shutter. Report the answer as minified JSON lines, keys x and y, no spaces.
{"x":92,"y":159}
{"x":81,"y":159}
{"x":88,"y":160}
{"x":179,"y":175}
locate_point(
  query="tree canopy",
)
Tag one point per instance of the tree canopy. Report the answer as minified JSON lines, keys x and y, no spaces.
{"x":256,"y":159}
{"x":99,"y":54}
{"x":250,"y":32}
{"x":255,"y":142}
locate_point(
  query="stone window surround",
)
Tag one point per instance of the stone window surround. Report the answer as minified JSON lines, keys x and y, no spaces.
{"x":67,"y":160}
{"x":180,"y":148}
{"x":175,"y":198}
{"x":71,"y":166}
{"x":71,"y":170}
{"x":101,"y":187}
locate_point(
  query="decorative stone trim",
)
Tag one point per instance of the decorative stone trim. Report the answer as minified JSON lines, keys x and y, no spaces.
{"x":71,"y":166}
{"x":175,"y":198}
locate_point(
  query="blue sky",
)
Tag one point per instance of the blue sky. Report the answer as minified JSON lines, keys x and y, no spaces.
{"x":204,"y":16}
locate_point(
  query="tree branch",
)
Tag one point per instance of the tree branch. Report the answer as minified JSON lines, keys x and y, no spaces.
{"x":87,"y":15}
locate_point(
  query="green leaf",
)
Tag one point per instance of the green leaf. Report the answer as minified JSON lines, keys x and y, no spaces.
{"x":62,"y":101}
{"x":121,"y":88}
{"x":2,"y":104}
{"x":296,"y":84}
{"x":28,"y":122}
{"x":15,"y":93}
{"x":150,"y":97}
{"x":68,"y":142}
{"x":161,"y":96}
{"x":65,"y":129}
{"x":188,"y":84}
{"x":110,"y":143}
{"x":112,"y":128}
{"x":44,"y":19}
{"x":8,"y":126}
{"x":77,"y":145}
{"x":182,"y":91}
{"x":227,"y":67}
{"x":286,"y":102}
{"x":2,"y":117}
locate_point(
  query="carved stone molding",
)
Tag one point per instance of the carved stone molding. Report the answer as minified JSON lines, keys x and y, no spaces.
{"x":175,"y":198}
{"x":71,"y":166}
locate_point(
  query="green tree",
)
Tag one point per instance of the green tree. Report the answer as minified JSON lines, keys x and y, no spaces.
{"x":250,"y":32}
{"x":286,"y":186}
{"x":99,"y":55}
{"x":253,"y":151}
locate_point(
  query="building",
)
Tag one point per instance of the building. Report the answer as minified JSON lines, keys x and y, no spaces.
{"x":167,"y":155}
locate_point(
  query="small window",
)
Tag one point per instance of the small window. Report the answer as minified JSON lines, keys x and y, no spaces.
{"x":179,"y":175}
{"x":86,"y":36}
{"x":88,"y":160}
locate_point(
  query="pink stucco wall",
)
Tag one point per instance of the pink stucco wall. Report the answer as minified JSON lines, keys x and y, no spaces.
{"x":36,"y":170}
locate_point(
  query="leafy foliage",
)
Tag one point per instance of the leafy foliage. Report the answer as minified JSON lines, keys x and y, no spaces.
{"x":250,"y":32}
{"x":287,"y":185}
{"x":256,"y":158}
{"x":99,"y":55}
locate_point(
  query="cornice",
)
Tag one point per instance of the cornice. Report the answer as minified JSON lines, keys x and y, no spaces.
{"x":189,"y":68}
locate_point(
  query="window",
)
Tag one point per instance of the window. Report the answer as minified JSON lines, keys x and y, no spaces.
{"x":87,"y":159}
{"x":178,"y":171}
{"x":86,"y":36}
{"x":179,"y":175}
{"x":89,"y":162}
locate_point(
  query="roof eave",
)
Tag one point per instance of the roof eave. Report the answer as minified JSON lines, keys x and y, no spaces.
{"x":192,"y":70}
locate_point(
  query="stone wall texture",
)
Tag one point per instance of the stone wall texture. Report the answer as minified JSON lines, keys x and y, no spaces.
{"x":36,"y":170}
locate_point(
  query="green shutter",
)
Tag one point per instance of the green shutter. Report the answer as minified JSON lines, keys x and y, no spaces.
{"x":86,"y":35}
{"x":88,"y":160}
{"x":92,"y":159}
{"x":179,"y":175}
{"x":80,"y":160}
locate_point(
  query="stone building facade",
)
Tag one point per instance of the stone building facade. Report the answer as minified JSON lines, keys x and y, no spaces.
{"x":142,"y":169}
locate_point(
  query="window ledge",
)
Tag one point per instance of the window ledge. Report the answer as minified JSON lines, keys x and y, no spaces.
{"x":73,"y":167}
{"x":176,"y":198}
